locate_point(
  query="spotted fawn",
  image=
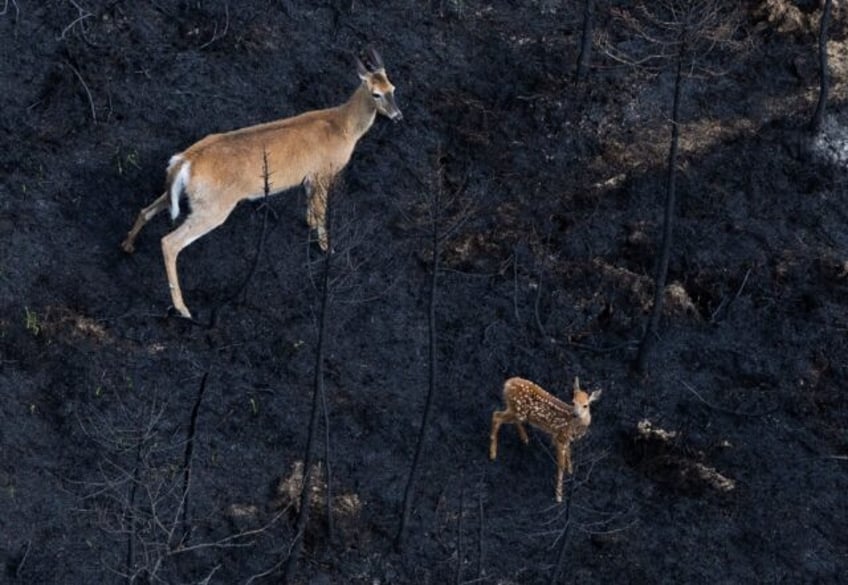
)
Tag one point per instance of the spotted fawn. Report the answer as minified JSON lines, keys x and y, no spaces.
{"x":565,"y":423}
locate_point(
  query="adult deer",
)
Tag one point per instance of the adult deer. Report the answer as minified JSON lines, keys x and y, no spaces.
{"x":223,"y":169}
{"x":565,"y":423}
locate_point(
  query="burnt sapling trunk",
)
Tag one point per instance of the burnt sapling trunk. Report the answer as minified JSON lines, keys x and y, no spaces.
{"x":824,"y":76}
{"x":188,"y":460}
{"x":668,"y":219}
{"x":409,"y":492}
{"x":586,"y":41}
{"x":318,"y":398}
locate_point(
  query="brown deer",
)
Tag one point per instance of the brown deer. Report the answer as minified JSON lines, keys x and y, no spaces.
{"x":565,"y":423}
{"x":223,"y":169}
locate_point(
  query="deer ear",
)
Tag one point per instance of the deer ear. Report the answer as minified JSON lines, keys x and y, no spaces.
{"x":375,"y":59}
{"x":361,"y":70}
{"x":595,"y":395}
{"x":576,"y":383}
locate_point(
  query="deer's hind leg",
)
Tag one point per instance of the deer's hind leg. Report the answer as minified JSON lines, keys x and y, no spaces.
{"x":160,"y":204}
{"x":499,"y":417}
{"x":200,"y":222}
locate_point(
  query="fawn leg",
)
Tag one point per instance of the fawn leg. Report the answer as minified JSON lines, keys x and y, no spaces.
{"x":522,"y":433}
{"x":499,"y":417}
{"x":493,"y":435}
{"x":559,"y":485}
{"x":563,"y":460}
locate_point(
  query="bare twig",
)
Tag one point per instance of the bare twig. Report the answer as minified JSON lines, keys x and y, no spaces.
{"x":208,"y":578}
{"x":269,"y":571}
{"x":515,"y":287}
{"x":536,"y":306}
{"x":482,"y":525}
{"x":215,"y":36}
{"x":724,"y":410}
{"x":6,"y":8}
{"x":605,"y":349}
{"x":231,"y":541}
{"x":87,"y":91}
{"x":20,"y":568}
{"x":725,"y":303}
{"x":82,"y":14}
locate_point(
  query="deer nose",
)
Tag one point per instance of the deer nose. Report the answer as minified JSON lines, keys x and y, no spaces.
{"x":397,"y":116}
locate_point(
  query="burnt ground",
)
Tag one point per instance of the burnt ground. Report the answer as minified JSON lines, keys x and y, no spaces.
{"x":725,"y":463}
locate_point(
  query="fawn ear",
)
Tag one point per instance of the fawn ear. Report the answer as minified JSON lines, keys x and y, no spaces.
{"x":595,"y":395}
{"x":576,"y":383}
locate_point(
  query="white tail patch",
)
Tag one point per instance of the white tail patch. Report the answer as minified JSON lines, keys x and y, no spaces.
{"x":178,"y":184}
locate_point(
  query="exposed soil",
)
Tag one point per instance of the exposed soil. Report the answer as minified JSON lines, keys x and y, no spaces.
{"x":726,"y":463}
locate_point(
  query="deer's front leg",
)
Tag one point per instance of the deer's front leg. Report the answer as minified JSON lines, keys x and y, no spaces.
{"x":316,"y":211}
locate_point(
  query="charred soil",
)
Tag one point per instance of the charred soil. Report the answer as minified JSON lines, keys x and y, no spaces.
{"x":137,"y":446}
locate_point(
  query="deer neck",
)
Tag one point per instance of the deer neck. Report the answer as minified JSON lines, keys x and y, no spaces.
{"x":574,"y":426}
{"x":359,"y":112}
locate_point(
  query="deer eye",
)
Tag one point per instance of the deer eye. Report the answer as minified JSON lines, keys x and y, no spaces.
{"x":377,"y":96}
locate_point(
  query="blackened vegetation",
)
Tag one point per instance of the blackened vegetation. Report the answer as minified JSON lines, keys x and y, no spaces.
{"x":140,"y":448}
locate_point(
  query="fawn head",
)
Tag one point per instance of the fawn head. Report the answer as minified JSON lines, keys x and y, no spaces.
{"x":372,"y":72}
{"x":581,"y":401}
